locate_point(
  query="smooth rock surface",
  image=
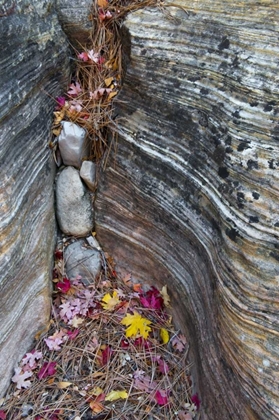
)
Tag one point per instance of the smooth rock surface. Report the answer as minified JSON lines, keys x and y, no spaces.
{"x":88,"y":174}
{"x":191,"y":197}
{"x":34,"y":68}
{"x":72,"y":143}
{"x":83,"y":261}
{"x":74,"y":209}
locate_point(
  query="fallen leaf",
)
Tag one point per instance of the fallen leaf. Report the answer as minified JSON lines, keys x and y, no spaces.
{"x":137,"y":288}
{"x":179,"y":342}
{"x":106,"y":355}
{"x":136,"y":325}
{"x":72,"y":334}
{"x":20,"y":378}
{"x":102,"y":3}
{"x":58,"y":116}
{"x":116,"y":395}
{"x":165,"y":296}
{"x":31,"y":359}
{"x":53,"y":342}
{"x":161,"y":397}
{"x":74,"y":89}
{"x":144,"y":383}
{"x":152,"y":299}
{"x":164,"y":335}
{"x":63,"y":385}
{"x":195,"y":399}
{"x":48,"y":369}
{"x":83,"y":56}
{"x":104,"y":15}
{"x":112,"y":95}
{"x":182,"y":415}
{"x":76,"y":321}
{"x":96,"y":391}
{"x":108,"y":81}
{"x":64,"y":285}
{"x":110,"y":302}
{"x":96,"y":407}
{"x":127,"y":279}
{"x":2,"y":415}
{"x":56,"y":131}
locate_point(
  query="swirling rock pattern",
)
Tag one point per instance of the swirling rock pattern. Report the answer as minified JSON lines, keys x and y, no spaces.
{"x":33,"y":66}
{"x":190,"y":198}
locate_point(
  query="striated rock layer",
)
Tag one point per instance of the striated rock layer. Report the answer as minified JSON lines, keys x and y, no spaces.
{"x":33,"y":66}
{"x":190,"y":198}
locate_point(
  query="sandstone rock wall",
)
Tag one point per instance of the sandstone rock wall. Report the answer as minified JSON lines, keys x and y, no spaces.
{"x":34,"y":63}
{"x":190,"y":198}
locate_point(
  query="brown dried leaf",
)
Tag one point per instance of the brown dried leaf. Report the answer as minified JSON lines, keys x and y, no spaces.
{"x":102,"y":3}
{"x":63,"y":385}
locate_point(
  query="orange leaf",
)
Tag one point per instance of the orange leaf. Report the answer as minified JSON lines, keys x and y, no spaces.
{"x":96,"y":407}
{"x":137,"y":287}
{"x":102,"y":3}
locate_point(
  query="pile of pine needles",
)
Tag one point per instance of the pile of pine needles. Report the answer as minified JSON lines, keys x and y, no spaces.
{"x":99,"y":75}
{"x":89,"y":367}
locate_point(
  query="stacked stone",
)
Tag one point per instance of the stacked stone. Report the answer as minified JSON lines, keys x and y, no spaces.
{"x":75,"y":188}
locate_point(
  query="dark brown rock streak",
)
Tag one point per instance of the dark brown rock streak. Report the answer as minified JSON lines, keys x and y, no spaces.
{"x":190,"y":198}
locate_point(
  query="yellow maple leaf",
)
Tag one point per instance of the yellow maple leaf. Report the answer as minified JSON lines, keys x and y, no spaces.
{"x":136,"y":325}
{"x":110,"y":302}
{"x":165,"y":296}
{"x":108,"y":81}
{"x":164,"y":335}
{"x":116,"y":395}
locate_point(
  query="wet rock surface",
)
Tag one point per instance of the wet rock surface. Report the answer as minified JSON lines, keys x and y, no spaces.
{"x":74,"y":209}
{"x":34,"y":65}
{"x":191,"y":194}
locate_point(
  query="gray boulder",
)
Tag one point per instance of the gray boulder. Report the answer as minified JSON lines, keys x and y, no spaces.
{"x":74,"y":209}
{"x":72,"y":144}
{"x":81,"y":260}
{"x":88,"y":174}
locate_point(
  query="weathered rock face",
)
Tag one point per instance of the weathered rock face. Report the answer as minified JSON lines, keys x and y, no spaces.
{"x":190,"y":199}
{"x":33,"y":66}
{"x":74,"y":18}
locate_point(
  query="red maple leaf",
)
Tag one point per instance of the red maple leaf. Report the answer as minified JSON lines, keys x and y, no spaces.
{"x":48,"y":369}
{"x":152,"y":299}
{"x":2,"y":415}
{"x":72,"y":334}
{"x":195,"y":399}
{"x":106,"y":355}
{"x":64,"y":286}
{"x":161,"y":397}
{"x":142,"y":342}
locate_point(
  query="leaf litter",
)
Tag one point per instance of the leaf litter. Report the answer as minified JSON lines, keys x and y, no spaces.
{"x":123,"y":359}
